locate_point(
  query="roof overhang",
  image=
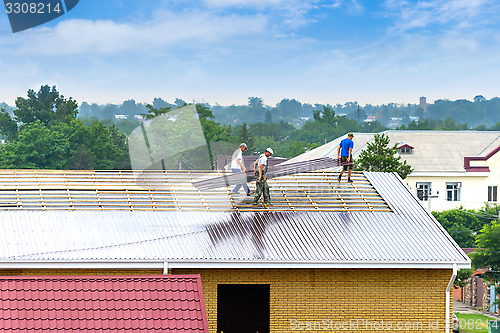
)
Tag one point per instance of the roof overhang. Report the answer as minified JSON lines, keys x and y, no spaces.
{"x":163,"y":265}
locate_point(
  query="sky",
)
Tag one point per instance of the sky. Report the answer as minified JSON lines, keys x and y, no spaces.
{"x":224,"y":51}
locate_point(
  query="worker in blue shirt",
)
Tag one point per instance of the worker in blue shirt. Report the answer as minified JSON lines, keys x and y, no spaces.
{"x":344,"y":153}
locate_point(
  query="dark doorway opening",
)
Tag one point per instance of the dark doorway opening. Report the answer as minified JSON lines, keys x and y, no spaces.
{"x":243,"y":308}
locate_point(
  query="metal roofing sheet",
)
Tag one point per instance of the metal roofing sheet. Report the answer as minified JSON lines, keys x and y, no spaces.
{"x":405,"y":232}
{"x":225,"y":236}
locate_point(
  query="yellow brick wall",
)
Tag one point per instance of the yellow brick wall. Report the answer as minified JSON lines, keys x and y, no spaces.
{"x":324,"y":299}
{"x":68,"y":272}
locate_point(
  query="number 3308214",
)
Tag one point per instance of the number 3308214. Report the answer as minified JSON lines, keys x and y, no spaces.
{"x":31,"y":8}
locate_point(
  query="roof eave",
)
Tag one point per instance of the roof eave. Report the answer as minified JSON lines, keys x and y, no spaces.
{"x":225,"y":264}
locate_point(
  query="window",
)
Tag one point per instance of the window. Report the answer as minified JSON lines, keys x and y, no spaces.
{"x":453,"y":191}
{"x":405,"y":149}
{"x":423,"y":191}
{"x":492,"y":193}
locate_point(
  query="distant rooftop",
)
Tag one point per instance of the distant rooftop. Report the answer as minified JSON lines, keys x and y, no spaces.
{"x":432,"y":150}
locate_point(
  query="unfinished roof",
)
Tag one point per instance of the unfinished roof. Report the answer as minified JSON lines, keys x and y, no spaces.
{"x":403,"y":234}
{"x":171,"y":303}
{"x":433,"y":150}
{"x":173,"y":191}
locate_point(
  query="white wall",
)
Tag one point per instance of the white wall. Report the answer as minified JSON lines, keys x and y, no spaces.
{"x":473,"y":193}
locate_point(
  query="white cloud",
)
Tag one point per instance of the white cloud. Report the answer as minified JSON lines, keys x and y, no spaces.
{"x":420,"y":14}
{"x":166,"y":29}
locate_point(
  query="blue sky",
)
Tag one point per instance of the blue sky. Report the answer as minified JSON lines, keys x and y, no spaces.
{"x":224,"y":51}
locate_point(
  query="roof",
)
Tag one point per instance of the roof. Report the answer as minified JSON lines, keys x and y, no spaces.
{"x":102,"y":303}
{"x":433,"y":150}
{"x":174,"y":191}
{"x":403,"y":234}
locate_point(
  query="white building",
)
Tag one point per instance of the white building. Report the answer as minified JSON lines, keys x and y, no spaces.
{"x":451,"y":168}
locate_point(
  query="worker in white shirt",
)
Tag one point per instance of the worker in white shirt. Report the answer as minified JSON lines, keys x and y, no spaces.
{"x":238,"y":166}
{"x":261,"y":187}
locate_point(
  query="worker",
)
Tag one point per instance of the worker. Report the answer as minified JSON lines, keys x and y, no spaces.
{"x":261,"y":187}
{"x":344,"y":153}
{"x":238,"y":166}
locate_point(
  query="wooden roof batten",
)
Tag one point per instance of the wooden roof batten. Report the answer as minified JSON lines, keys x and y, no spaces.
{"x":172,"y":190}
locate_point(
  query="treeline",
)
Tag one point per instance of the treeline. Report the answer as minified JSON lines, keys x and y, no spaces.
{"x":480,"y":112}
{"x":45,"y":130}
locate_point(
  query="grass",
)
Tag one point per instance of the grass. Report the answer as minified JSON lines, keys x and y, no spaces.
{"x":473,"y":323}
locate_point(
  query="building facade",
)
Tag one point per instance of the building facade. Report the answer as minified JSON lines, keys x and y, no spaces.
{"x":450,"y":168}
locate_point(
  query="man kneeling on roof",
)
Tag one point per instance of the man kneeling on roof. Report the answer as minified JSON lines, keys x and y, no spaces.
{"x":261,"y":187}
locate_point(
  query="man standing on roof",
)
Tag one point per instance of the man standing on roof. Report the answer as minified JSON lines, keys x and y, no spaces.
{"x":261,"y":187}
{"x":344,"y":153}
{"x":237,"y":166}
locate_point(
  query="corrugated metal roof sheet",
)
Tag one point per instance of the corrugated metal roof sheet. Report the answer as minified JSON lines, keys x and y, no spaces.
{"x":204,"y":236}
{"x":405,"y":234}
{"x":433,"y":150}
{"x":171,"y":303}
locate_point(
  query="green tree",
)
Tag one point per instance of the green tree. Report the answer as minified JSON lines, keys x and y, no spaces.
{"x":487,"y":253}
{"x":70,"y":145}
{"x":378,"y":156}
{"x":463,"y":276}
{"x":36,"y":148}
{"x":8,"y":126}
{"x":246,"y":137}
{"x":460,"y":224}
{"x":278,"y":131}
{"x":46,"y":105}
{"x":268,"y":117}
{"x":152,"y":112}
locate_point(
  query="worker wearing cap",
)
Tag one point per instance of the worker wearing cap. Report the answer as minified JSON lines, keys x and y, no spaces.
{"x":344,"y":153}
{"x":261,"y":187}
{"x":237,"y":166}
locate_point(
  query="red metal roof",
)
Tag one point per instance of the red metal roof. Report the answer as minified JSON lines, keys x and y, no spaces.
{"x":167,"y":303}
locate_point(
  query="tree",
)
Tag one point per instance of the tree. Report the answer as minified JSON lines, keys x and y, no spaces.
{"x":246,"y":137}
{"x":52,"y":137}
{"x":460,"y":224}
{"x":179,"y":103}
{"x":289,"y":108}
{"x":487,"y":253}
{"x":462,"y":279}
{"x":46,"y":105}
{"x":378,"y":156}
{"x":8,"y":126}
{"x":152,"y":112}
{"x":268,"y":117}
{"x":36,"y":148}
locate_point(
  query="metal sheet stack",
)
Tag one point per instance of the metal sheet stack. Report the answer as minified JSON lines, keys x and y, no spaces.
{"x":276,"y":171}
